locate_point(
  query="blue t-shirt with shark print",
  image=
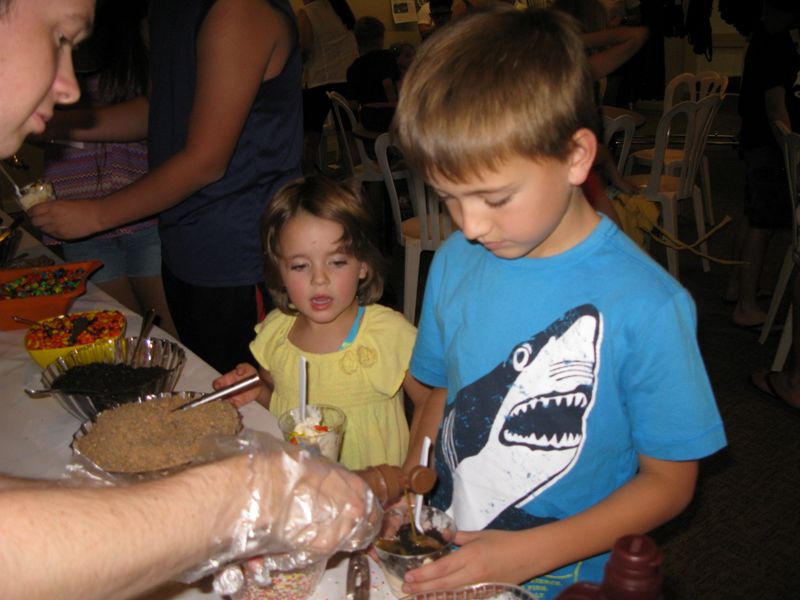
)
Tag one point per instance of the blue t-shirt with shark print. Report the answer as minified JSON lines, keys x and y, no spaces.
{"x":560,"y":371}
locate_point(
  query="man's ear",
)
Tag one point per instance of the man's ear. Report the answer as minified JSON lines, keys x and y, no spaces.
{"x":581,"y":157}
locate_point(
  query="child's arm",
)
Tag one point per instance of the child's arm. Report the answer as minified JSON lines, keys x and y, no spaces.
{"x":429,"y":406}
{"x":260,"y":393}
{"x":661,"y":490}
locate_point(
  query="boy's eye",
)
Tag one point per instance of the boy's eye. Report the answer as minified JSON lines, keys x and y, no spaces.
{"x":496,"y":202}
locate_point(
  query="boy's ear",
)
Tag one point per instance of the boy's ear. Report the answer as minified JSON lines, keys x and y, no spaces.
{"x":582,"y":155}
{"x":363,"y":271}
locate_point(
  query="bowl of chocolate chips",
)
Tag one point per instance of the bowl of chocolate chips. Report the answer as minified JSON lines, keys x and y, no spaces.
{"x":110,"y":373}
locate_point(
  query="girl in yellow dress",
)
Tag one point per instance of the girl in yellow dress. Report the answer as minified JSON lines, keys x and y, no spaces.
{"x":323,"y":273}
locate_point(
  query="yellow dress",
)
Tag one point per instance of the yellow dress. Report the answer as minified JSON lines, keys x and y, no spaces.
{"x":364,"y":380}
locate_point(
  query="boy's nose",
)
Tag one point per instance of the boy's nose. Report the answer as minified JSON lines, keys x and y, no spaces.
{"x":473,"y":224}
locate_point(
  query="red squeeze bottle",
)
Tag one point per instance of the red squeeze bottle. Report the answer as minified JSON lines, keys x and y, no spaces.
{"x":388,"y":483}
{"x":633,"y":572}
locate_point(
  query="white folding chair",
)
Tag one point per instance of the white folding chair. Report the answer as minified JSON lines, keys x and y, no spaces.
{"x":691,"y":87}
{"x":668,"y":189}
{"x":367,"y":169}
{"x":426,"y":230}
{"x":625,"y":125}
{"x":791,"y":158}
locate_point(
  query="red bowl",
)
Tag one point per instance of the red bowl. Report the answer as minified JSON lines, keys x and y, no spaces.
{"x":35,"y":308}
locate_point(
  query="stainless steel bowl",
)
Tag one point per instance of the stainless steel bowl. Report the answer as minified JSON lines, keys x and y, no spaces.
{"x":154,"y":352}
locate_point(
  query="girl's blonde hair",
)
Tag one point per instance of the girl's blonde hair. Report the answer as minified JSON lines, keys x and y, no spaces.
{"x":332,"y":201}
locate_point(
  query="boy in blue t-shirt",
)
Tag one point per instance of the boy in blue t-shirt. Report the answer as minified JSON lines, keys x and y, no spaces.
{"x":570,"y":400}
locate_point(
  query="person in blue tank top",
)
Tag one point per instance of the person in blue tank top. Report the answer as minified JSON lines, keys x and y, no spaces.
{"x":224,"y":128}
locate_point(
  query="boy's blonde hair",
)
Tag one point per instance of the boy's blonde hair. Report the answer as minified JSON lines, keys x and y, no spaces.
{"x":332,"y":201}
{"x":492,"y":85}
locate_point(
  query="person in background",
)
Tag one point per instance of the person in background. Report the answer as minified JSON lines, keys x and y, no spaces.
{"x":115,"y":69}
{"x":324,"y":273}
{"x":608,"y":48}
{"x":82,"y":543}
{"x":773,"y":59}
{"x":223,"y":123}
{"x":770,"y":86}
{"x":372,"y":78}
{"x":424,"y":22}
{"x":560,"y":426}
{"x":329,"y":48}
{"x":403,"y":53}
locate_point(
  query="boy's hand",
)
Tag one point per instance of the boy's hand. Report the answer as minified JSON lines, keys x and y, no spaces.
{"x":241,"y":371}
{"x":488,"y":555}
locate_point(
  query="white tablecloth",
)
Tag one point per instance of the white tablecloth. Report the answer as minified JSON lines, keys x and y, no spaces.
{"x":35,"y":434}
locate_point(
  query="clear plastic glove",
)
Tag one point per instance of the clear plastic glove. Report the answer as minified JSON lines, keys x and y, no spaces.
{"x":286,"y":505}
{"x":295,"y":508}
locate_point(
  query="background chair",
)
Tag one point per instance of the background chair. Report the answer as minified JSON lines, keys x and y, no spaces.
{"x":791,"y":158}
{"x":426,"y":230}
{"x":612,"y":126}
{"x":667,"y":189}
{"x":366,"y":170}
{"x":692,"y":87}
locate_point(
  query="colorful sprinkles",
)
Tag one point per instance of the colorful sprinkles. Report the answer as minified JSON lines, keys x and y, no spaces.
{"x":43,"y":283}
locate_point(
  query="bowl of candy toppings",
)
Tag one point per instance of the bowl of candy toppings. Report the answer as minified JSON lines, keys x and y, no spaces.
{"x":295,"y":584}
{"x":106,"y":374}
{"x":322,"y":428}
{"x":478,"y":591}
{"x":40,"y":292}
{"x":52,"y":338}
{"x":149,"y":436}
{"x":401,"y":546}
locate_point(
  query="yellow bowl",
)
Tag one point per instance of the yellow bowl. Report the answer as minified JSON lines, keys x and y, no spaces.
{"x":49,"y":339}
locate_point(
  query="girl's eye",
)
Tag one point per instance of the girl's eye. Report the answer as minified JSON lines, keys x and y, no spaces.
{"x":297,"y":266}
{"x":339,"y":262}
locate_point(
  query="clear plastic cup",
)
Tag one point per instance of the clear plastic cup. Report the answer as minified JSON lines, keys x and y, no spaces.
{"x":35,"y":193}
{"x":395,"y":565}
{"x":323,"y":428}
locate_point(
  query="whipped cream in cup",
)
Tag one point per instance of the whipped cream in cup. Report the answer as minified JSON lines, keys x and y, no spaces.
{"x":322,"y":428}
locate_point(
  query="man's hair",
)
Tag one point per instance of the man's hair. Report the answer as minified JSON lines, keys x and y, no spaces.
{"x":332,"y":201}
{"x":493,"y":85}
{"x":369,"y":30}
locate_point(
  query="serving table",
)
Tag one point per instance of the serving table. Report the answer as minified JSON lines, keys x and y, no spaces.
{"x":35,"y":434}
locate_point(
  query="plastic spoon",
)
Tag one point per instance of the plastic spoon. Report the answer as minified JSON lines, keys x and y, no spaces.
{"x":424,"y":458}
{"x":303,"y":388}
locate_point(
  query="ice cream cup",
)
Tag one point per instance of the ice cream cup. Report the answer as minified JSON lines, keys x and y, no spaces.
{"x":395,"y":565}
{"x":322,"y":430}
{"x":35,"y":193}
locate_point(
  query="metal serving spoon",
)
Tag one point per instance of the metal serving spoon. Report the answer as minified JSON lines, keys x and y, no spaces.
{"x":220,"y":393}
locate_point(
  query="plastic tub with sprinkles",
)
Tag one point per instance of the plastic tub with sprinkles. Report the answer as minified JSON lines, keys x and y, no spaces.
{"x":40,"y":292}
{"x":297,"y":584}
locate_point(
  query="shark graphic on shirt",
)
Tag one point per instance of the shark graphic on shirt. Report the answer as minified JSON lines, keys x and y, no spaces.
{"x":520,"y":428}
